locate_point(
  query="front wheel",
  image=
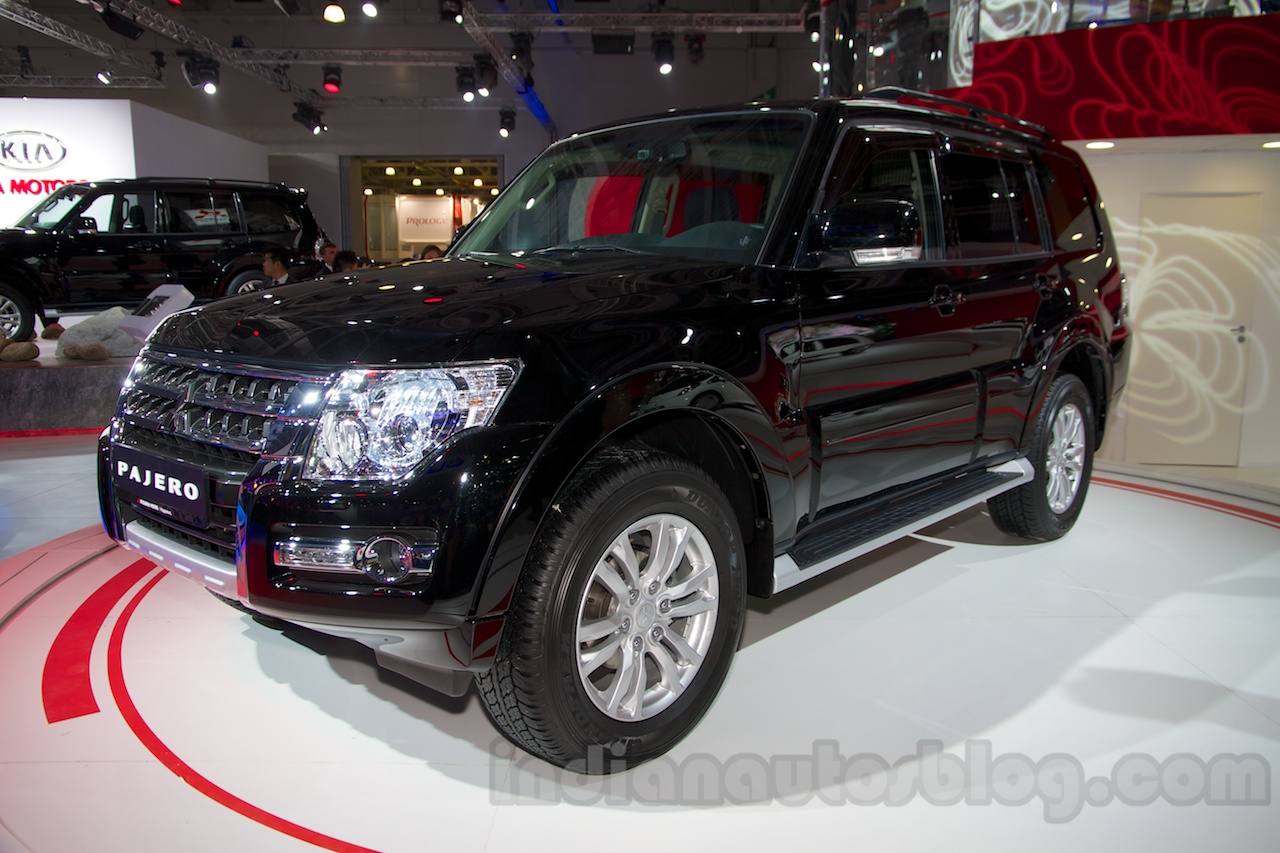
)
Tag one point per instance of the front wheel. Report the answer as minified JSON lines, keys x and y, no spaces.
{"x":625,"y":620}
{"x":1062,"y":451}
{"x":17,"y":318}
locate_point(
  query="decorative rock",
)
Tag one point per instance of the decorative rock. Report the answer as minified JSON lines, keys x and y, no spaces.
{"x":24,"y":351}
{"x":53,"y":331}
{"x":103,"y":328}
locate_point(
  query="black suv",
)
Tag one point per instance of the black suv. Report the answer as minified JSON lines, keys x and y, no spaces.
{"x":678,"y":361}
{"x":94,"y":245}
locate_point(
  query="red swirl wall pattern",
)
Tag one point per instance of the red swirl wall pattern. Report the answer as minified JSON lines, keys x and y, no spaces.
{"x":1180,"y":78}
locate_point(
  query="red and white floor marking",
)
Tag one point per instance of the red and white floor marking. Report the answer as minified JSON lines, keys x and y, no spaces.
{"x":138,"y":713}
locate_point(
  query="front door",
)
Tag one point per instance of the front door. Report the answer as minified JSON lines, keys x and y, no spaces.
{"x":109,"y":251}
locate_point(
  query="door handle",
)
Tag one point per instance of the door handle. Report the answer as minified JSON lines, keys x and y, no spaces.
{"x":945,"y":300}
{"x":143,"y":246}
{"x":1238,"y":331}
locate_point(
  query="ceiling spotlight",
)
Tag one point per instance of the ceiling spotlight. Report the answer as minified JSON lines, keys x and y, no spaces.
{"x":812,"y":12}
{"x":466,"y":82}
{"x":694,"y":42}
{"x":368,"y":191}
{"x":664,"y":52}
{"x":451,"y":10}
{"x":104,"y":76}
{"x":334,"y":14}
{"x":333,"y":79}
{"x":201,"y":72}
{"x":417,"y":182}
{"x":506,"y":122}
{"x":457,"y":170}
{"x":309,"y":116}
{"x":486,"y":74}
{"x":127,"y":27}
{"x":478,"y":182}
{"x":371,"y":8}
{"x":439,"y":190}
{"x":175,"y":2}
{"x":522,"y":50}
{"x":493,"y":190}
{"x":389,"y":171}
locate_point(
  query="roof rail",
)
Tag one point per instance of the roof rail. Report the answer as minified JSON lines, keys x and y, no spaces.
{"x":898,"y":93}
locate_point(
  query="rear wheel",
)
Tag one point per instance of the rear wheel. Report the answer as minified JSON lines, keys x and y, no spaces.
{"x":245,"y":282}
{"x":17,"y":318}
{"x":1062,"y":451}
{"x":628,"y":614}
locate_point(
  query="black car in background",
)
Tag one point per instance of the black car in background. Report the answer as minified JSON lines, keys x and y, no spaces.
{"x":90,"y":246}
{"x":678,"y":361}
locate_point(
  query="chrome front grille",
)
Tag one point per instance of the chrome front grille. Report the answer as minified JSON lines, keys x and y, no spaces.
{"x":207,"y":406}
{"x":220,"y":418}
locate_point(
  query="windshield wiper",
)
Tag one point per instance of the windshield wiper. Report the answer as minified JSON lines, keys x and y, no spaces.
{"x":590,"y":247}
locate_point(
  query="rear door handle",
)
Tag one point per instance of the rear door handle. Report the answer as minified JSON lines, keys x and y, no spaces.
{"x":945,"y":300}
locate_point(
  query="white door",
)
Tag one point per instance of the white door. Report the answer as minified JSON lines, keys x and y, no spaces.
{"x":1192,"y":299}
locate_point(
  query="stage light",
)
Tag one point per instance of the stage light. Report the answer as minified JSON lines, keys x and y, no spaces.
{"x":417,"y":182}
{"x":466,"y":82}
{"x":332,"y":79}
{"x":695,"y":43}
{"x":309,"y":116}
{"x":371,"y":8}
{"x":664,"y":52}
{"x":129,"y":28}
{"x":506,"y":122}
{"x":478,"y":182}
{"x":104,"y":76}
{"x":522,"y":50}
{"x":334,"y":14}
{"x":390,"y":171}
{"x":201,"y":72}
{"x":812,"y":13}
{"x":451,"y":10}
{"x":486,"y":74}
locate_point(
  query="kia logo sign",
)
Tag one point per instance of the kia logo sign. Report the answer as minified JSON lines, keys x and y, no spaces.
{"x":30,"y":150}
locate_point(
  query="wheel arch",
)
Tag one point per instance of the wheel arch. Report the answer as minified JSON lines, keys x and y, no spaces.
{"x":714,"y":438}
{"x":1085,"y":359}
{"x":18,"y":275}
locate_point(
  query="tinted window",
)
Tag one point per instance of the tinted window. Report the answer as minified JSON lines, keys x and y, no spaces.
{"x":269,"y":213}
{"x":201,"y":212}
{"x":1071,"y":221}
{"x":980,"y":208}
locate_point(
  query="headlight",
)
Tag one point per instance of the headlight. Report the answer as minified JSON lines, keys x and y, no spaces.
{"x":379,"y":424}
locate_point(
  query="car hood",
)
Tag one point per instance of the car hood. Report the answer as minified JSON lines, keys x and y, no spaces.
{"x":421,"y":312}
{"x":20,"y":241}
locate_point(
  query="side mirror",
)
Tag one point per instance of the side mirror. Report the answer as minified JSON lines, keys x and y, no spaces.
{"x":85,"y":225}
{"x":874,"y":231}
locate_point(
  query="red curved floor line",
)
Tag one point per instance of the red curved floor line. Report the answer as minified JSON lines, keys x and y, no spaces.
{"x":65,"y":688}
{"x":184,"y":771}
{"x":1205,"y":503}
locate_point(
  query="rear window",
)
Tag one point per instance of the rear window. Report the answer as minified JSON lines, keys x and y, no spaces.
{"x":270,"y":213}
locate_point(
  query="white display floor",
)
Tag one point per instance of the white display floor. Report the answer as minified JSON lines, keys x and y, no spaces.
{"x":1115,"y":690}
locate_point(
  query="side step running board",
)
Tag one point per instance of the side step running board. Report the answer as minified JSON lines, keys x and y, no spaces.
{"x":885,"y":523}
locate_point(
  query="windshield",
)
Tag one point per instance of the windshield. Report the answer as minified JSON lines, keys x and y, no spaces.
{"x":49,"y":212}
{"x":701,"y":187}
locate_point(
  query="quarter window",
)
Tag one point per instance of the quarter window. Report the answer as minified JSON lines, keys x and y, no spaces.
{"x":201,"y":212}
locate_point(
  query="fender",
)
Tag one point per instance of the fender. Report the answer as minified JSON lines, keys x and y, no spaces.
{"x":623,"y":409}
{"x":1075,"y":349}
{"x":19,"y":275}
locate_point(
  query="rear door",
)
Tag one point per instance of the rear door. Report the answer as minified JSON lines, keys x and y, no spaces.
{"x":1004,"y":268}
{"x":203,"y":230}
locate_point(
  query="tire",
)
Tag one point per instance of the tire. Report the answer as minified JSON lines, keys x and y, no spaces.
{"x":1062,"y":451}
{"x":245,"y":282}
{"x":17,"y":318}
{"x":564,"y":683}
